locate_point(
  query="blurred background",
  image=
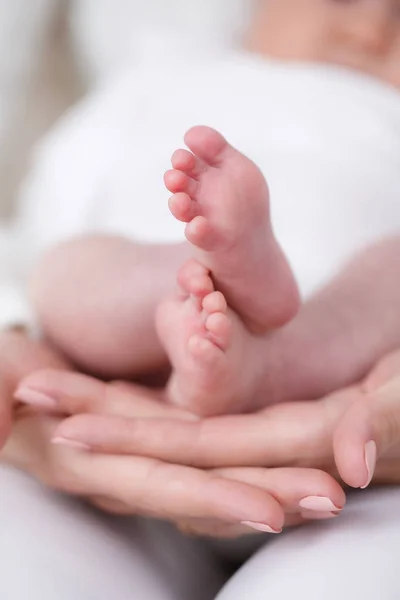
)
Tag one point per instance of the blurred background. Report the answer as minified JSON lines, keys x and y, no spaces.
{"x":321,"y":77}
{"x":54,"y":51}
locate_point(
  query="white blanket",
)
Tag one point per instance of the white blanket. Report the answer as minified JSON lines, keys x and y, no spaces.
{"x":328,"y":142}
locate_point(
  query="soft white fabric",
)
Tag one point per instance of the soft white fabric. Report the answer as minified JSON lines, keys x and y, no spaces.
{"x":55,"y":548}
{"x":352,"y":558}
{"x":327,"y":140}
{"x":106,"y":36}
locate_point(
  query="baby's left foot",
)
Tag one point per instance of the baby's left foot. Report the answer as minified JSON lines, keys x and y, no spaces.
{"x":216,"y":361}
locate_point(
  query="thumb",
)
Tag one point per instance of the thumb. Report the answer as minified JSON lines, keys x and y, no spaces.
{"x":367,"y":431}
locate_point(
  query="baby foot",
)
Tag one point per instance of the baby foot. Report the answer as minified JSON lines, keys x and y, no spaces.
{"x":208,"y":346}
{"x":224,"y":199}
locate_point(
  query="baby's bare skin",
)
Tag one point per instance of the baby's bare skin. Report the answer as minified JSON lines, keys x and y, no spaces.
{"x":224,"y":199}
{"x":336,"y":338}
{"x":97,"y":300}
{"x":238,"y":285}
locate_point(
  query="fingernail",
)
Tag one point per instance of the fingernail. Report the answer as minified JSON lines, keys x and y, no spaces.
{"x":34,"y":397}
{"x":318,"y":504}
{"x":261,"y":527}
{"x":71,"y":443}
{"x":315,"y":515}
{"x":370,"y":454}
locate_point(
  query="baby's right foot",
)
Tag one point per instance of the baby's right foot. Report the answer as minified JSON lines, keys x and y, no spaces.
{"x":224,"y":199}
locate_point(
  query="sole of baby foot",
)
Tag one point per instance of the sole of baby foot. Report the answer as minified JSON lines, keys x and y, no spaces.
{"x":224,"y":199}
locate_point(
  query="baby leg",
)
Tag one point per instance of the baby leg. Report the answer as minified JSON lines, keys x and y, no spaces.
{"x":338,"y":334}
{"x":238,"y":286}
{"x":96,"y":299}
{"x":224,"y":199}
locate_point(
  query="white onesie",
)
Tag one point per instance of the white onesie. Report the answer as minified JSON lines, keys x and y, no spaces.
{"x":327,"y":140}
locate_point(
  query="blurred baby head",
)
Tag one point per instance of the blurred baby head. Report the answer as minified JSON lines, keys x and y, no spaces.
{"x":360,"y":34}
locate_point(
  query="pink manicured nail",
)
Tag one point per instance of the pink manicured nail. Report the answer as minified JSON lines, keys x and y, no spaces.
{"x":261,"y":527}
{"x":34,"y":398}
{"x":370,"y":454}
{"x":318,"y":504}
{"x":71,"y":443}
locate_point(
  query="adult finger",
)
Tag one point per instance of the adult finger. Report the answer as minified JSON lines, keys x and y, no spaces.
{"x":370,"y":429}
{"x":218,"y":529}
{"x":149,"y":487}
{"x":304,"y":494}
{"x":158,"y":489}
{"x":71,"y":393}
{"x":297,"y":434}
{"x":307,"y":493}
{"x":386,"y":369}
{"x":19,"y":356}
{"x":297,"y":490}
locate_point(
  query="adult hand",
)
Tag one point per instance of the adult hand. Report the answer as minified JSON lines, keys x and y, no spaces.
{"x":367,"y":440}
{"x":19,"y":356}
{"x":336,"y":434}
{"x":216,"y":501}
